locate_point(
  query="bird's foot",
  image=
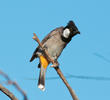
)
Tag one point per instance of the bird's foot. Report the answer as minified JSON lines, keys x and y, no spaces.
{"x":55,"y":64}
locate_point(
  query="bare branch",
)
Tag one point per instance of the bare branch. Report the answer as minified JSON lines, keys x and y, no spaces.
{"x":57,"y":69}
{"x":8,"y":93}
{"x":66,"y":83}
{"x":10,"y":82}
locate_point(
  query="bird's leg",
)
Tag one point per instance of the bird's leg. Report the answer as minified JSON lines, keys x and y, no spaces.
{"x":55,"y":64}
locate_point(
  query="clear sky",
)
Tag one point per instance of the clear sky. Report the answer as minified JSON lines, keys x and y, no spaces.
{"x":87,"y":54}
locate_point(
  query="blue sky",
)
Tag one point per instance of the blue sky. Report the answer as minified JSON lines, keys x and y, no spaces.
{"x":87,"y":54}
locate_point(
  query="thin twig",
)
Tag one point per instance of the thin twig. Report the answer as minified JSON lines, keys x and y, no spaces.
{"x":8,"y":93}
{"x":57,"y":69}
{"x":10,"y":82}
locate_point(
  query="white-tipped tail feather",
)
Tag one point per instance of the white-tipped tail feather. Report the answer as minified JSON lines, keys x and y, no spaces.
{"x":41,"y":81}
{"x":42,"y":87}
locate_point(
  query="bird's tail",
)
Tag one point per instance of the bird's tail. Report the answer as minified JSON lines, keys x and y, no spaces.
{"x":41,"y":81}
{"x":44,"y":63}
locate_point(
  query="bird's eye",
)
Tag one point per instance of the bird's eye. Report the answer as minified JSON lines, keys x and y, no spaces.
{"x":66,"y":33}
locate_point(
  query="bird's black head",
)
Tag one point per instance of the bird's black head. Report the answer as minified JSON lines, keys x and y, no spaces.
{"x":72,"y":28}
{"x":69,"y":31}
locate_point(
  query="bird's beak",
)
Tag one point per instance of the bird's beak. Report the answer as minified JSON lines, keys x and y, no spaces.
{"x":77,"y":32}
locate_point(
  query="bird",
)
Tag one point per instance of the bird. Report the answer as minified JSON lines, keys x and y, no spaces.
{"x":53,"y":43}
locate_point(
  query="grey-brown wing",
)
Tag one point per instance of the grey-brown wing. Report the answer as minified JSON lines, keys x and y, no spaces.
{"x":52,"y":33}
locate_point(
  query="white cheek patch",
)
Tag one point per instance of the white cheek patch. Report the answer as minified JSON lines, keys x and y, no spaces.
{"x":66,"y":33}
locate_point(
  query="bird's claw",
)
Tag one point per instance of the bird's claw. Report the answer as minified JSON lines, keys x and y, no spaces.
{"x":55,"y":64}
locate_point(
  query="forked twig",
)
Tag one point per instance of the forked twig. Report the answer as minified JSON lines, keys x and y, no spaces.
{"x":10,"y":82}
{"x":57,"y":69}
